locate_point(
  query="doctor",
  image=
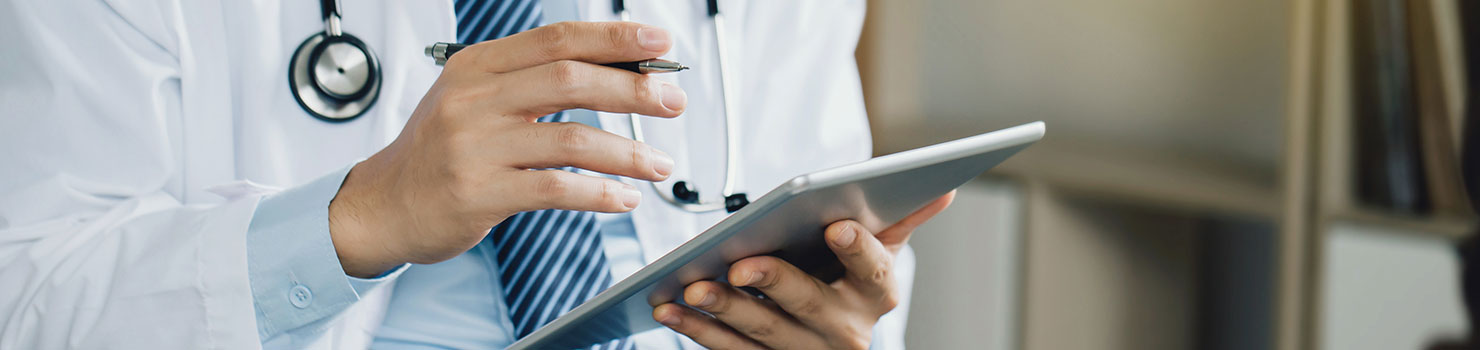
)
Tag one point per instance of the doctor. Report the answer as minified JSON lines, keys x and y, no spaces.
{"x":162,"y":186}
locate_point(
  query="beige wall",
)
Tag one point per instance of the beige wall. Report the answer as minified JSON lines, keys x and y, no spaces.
{"x":1206,"y":78}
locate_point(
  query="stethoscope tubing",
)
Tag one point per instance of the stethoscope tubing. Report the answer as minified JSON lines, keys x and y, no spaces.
{"x":310,"y":97}
{"x":732,"y":149}
{"x":331,"y":17}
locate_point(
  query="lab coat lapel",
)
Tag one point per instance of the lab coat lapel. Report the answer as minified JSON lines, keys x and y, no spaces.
{"x":206,"y":103}
{"x":206,"y":107}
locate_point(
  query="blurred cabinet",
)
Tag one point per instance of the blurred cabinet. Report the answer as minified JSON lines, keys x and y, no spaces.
{"x":1197,"y":167}
{"x":1106,"y":275}
{"x":968,"y":264}
{"x":1388,"y":290}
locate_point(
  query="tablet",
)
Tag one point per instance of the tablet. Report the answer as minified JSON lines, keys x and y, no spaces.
{"x":788,"y":223}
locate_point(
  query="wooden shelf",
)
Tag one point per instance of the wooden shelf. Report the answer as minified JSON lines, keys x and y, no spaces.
{"x":1447,"y":226}
{"x":1160,"y":178}
{"x":1164,"y":179}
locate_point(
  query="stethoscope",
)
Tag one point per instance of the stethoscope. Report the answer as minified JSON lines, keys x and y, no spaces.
{"x":333,"y":75}
{"x":683,"y":194}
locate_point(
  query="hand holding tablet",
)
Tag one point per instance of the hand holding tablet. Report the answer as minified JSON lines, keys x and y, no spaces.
{"x":799,"y":310}
{"x":781,"y":235}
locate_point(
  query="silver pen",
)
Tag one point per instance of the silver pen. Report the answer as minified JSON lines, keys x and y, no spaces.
{"x":440,"y":52}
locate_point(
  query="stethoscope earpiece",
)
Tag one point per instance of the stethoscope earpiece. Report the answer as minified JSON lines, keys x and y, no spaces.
{"x":684,"y":192}
{"x":735,"y":202}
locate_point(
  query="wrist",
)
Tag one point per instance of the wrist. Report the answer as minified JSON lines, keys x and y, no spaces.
{"x":355,"y":228}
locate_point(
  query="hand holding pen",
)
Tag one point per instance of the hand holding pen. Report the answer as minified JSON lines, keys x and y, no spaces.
{"x":472,"y":152}
{"x":440,"y":52}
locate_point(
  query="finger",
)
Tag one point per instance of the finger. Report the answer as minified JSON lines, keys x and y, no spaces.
{"x":801,"y":295}
{"x":751,"y":316}
{"x":559,"y":189}
{"x":554,"y":145}
{"x":705,"y":330}
{"x":896,"y":235}
{"x":596,"y":42}
{"x":869,"y":265}
{"x":562,"y":85}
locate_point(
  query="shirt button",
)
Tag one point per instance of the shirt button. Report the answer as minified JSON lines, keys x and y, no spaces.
{"x":300,"y":296}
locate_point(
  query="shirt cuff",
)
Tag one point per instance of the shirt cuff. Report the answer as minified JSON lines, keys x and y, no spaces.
{"x":294,"y":270}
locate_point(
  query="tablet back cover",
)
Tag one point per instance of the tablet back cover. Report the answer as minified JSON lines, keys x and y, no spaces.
{"x":786,"y":222}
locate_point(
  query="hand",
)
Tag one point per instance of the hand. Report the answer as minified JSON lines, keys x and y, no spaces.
{"x":801,"y":312}
{"x":463,"y":162}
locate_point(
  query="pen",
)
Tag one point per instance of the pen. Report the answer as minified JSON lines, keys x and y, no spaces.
{"x":439,"y":52}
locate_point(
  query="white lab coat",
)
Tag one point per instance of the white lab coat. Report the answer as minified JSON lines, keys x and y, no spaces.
{"x":136,"y":137}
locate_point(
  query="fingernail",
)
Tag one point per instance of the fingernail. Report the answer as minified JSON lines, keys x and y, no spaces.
{"x":652,"y":39}
{"x":706,"y":301}
{"x":752,"y":277}
{"x":672,"y":97}
{"x":662,"y":162}
{"x":630,"y":196}
{"x":669,"y":320}
{"x":845,"y":236}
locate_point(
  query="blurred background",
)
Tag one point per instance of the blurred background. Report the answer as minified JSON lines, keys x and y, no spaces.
{"x":1251,"y":174}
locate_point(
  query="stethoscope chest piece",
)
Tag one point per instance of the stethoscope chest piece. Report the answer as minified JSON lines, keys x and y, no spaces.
{"x":333,"y":75}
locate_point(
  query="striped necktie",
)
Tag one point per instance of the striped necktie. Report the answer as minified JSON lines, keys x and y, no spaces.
{"x":548,"y":261}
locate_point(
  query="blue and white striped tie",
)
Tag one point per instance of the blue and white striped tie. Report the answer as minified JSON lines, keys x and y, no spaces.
{"x":549,"y":261}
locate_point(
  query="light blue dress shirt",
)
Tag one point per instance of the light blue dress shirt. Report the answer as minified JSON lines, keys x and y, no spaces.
{"x":459,"y":304}
{"x":298,"y":285}
{"x":297,"y":282}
